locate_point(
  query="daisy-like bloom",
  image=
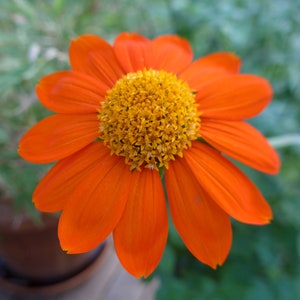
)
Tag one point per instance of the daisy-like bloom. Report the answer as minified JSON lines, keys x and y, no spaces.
{"x":134,"y":115}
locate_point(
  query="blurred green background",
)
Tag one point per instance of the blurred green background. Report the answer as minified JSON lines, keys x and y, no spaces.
{"x":34,"y":38}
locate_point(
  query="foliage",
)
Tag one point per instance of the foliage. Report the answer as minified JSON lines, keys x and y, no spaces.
{"x":34,"y":39}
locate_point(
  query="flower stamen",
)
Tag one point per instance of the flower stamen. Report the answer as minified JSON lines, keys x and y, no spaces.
{"x":149,"y":117}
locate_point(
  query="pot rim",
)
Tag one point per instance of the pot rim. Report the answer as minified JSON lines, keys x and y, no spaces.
{"x":64,"y":285}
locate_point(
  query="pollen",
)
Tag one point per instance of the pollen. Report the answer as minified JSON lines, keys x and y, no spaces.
{"x":149,"y":117}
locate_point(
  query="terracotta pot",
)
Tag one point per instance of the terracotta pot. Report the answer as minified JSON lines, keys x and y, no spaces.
{"x":30,"y":254}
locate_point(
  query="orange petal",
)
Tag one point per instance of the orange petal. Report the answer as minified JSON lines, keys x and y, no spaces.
{"x":203,"y":226}
{"x":227,"y":185}
{"x":57,"y":186}
{"x":141,"y":235}
{"x":234,"y":97}
{"x":228,"y":62}
{"x":92,"y":55}
{"x":71,"y":92}
{"x":57,"y":137}
{"x":242,"y":142}
{"x":209,"y":68}
{"x":171,"y":53}
{"x":132,"y":51}
{"x":95,"y":206}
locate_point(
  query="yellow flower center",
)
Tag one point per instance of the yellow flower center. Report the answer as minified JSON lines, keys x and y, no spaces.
{"x":149,"y":117}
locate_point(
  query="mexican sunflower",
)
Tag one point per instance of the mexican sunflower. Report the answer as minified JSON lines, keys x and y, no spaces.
{"x":137,"y":116}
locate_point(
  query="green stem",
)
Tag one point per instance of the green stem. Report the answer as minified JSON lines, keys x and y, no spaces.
{"x":285,"y":140}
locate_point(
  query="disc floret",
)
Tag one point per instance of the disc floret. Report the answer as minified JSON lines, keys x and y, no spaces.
{"x":149,"y":117}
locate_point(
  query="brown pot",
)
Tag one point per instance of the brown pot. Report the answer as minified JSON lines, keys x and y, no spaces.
{"x":30,"y":253}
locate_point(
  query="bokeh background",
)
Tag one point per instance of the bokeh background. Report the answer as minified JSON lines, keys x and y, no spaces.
{"x":34,"y":38}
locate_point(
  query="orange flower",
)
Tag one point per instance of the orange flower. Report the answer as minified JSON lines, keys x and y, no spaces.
{"x":134,"y":115}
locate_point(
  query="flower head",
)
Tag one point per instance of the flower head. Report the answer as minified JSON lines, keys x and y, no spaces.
{"x":130,"y":112}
